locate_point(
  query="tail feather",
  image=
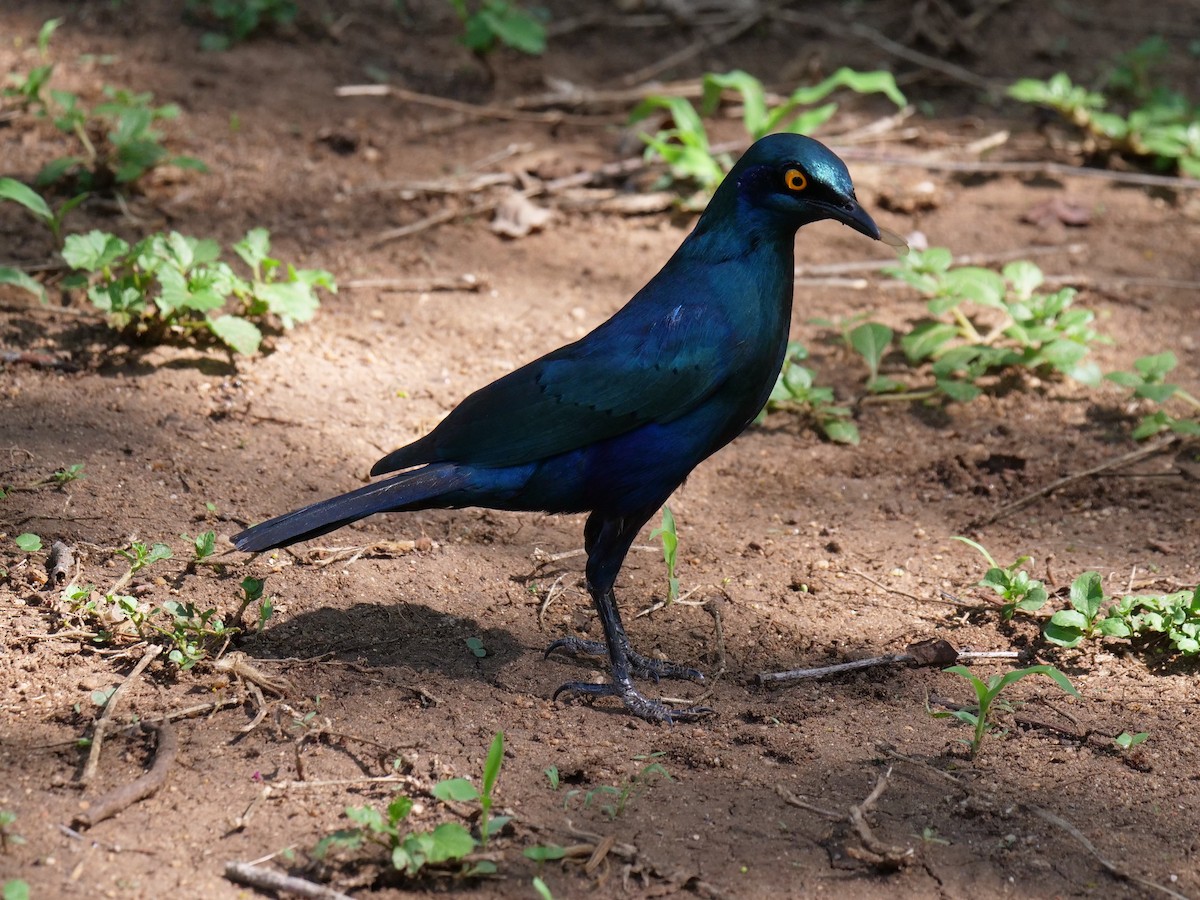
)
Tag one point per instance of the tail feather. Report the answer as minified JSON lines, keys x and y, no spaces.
{"x":416,"y":489}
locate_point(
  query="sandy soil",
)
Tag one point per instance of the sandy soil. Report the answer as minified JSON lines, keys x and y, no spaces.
{"x":803,"y":552}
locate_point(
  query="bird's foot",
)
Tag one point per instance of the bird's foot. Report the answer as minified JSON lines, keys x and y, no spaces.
{"x":640,"y":666}
{"x":638,"y":704}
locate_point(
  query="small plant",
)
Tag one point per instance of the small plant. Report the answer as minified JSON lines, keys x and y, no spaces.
{"x":169,"y":285}
{"x":410,"y":851}
{"x":1148,"y":382}
{"x":1170,"y":618}
{"x":66,"y":476}
{"x":987,"y":694}
{"x":498,"y":21}
{"x":139,"y":555}
{"x":203,"y":545}
{"x":1039,"y":332}
{"x":1164,"y":129}
{"x":1127,"y":741}
{"x":29,"y":542}
{"x":551,"y":773}
{"x":1016,"y":588}
{"x":238,"y":20}
{"x":670,"y":544}
{"x":1068,"y":627}
{"x":118,"y":140}
{"x":685,"y":146}
{"x":475,"y":645}
{"x":629,"y":789}
{"x":28,"y":89}
{"x":796,"y":391}
{"x":462,"y":791}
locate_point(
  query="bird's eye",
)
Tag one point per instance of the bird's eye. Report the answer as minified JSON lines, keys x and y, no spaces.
{"x":795,"y":180}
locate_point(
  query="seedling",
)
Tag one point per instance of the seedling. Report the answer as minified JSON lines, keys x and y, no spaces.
{"x":1016,"y":588}
{"x":29,"y":88}
{"x":685,"y":146}
{"x":140,"y":556}
{"x":542,"y":890}
{"x":498,"y":21}
{"x":203,"y":545}
{"x":475,"y":645}
{"x":410,"y":851}
{"x":29,"y":542}
{"x":1068,"y":627}
{"x":551,"y":773}
{"x":171,"y":286}
{"x":1127,"y":741}
{"x":461,"y":790}
{"x":629,"y":789}
{"x":795,"y":391}
{"x":1148,"y":382}
{"x":987,"y":693}
{"x":670,"y":544}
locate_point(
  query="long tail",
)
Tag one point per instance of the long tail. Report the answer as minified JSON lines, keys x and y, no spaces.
{"x":422,"y":488}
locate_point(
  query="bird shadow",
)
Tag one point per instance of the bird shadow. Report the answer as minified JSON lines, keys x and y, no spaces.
{"x":398,"y":634}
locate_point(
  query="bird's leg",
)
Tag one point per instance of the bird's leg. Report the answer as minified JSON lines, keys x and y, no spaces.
{"x":639,"y":666}
{"x":607,"y":541}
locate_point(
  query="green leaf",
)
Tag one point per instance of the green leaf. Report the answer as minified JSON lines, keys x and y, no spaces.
{"x":544,"y":852}
{"x":450,"y":841}
{"x":1158,"y":393}
{"x":960,"y":391}
{"x":292,"y":301}
{"x":457,"y":789}
{"x":926,"y":340}
{"x":1156,"y":366}
{"x":1065,"y":628}
{"x":1024,"y":276}
{"x":17,"y":889}
{"x":491,"y":766}
{"x":29,"y":542}
{"x":93,"y":251}
{"x":841,"y":432}
{"x":11,"y":189}
{"x":399,"y":809}
{"x":539,"y":886}
{"x":982,"y":286}
{"x":1087,"y":594}
{"x":236,"y":333}
{"x":254,"y":248}
{"x":871,"y":340}
{"x":17,"y":278}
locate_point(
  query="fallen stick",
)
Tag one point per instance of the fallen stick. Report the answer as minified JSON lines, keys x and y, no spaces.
{"x":110,"y":707}
{"x":924,"y":653}
{"x":108,"y":805}
{"x":268,"y":880}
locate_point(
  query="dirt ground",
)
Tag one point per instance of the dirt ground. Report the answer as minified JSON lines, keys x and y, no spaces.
{"x":807,"y":553}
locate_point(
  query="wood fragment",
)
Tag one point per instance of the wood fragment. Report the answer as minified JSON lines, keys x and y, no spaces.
{"x":554,"y":117}
{"x":59,"y":563}
{"x":108,"y":805}
{"x":270,"y":880}
{"x":106,"y":717}
{"x":913,"y":655}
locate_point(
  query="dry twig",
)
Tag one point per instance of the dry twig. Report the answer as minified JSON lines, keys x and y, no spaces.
{"x":110,"y":707}
{"x":108,"y":805}
{"x":269,"y":880}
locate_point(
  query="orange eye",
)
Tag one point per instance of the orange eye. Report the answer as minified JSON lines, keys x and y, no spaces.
{"x":795,"y":180}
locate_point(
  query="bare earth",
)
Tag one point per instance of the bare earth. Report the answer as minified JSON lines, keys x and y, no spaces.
{"x":806,"y":553}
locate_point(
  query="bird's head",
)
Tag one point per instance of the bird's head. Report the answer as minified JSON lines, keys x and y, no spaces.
{"x":792,"y":180}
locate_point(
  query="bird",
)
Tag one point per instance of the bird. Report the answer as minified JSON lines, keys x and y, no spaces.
{"x":611,"y":424}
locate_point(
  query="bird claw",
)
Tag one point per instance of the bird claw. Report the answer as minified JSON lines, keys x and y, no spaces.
{"x":638,"y":704}
{"x":639,"y":666}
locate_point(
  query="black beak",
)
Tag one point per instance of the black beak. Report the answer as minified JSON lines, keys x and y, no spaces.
{"x":850,"y":213}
